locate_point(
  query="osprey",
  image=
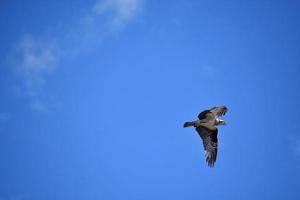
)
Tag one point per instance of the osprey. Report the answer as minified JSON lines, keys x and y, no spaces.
{"x":206,"y":128}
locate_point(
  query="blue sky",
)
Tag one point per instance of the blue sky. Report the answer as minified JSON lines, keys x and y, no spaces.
{"x":94,"y":95}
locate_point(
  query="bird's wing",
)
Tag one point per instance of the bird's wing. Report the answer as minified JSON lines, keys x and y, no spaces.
{"x":205,"y":114}
{"x":218,"y":110}
{"x":212,"y":113}
{"x":210,"y":142}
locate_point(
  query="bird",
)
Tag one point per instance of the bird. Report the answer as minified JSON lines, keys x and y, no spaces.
{"x":207,"y":130}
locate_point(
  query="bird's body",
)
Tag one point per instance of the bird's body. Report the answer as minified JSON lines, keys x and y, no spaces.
{"x":206,"y":128}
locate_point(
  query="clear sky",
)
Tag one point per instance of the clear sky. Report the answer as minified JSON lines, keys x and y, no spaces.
{"x":94,"y":94}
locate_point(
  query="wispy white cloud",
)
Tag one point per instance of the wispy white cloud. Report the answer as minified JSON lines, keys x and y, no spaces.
{"x":104,"y":18}
{"x":36,"y":58}
{"x":118,"y":11}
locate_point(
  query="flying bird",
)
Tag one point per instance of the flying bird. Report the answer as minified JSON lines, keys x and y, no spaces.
{"x":206,"y":128}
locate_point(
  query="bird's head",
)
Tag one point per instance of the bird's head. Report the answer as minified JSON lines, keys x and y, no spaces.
{"x":220,"y":122}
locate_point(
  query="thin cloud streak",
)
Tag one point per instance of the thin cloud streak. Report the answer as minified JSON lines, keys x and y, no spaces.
{"x":104,"y":18}
{"x":119,"y":11}
{"x":35,"y":58}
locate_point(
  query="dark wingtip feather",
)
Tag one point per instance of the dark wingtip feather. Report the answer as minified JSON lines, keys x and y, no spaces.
{"x":187,"y":124}
{"x":210,"y":159}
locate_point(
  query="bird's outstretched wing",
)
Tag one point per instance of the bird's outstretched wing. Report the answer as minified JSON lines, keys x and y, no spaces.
{"x":213,"y":112}
{"x":210,"y":143}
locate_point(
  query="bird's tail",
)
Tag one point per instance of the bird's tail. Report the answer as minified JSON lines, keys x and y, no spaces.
{"x":187,"y":124}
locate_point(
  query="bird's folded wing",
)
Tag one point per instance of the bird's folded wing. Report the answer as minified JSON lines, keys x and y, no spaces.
{"x":206,"y":114}
{"x":219,"y":110}
{"x":212,"y":113}
{"x":210,"y":143}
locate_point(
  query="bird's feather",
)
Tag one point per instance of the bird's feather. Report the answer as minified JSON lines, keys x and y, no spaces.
{"x":213,"y":112}
{"x":210,"y":143}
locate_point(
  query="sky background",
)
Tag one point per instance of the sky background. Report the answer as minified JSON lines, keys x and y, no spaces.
{"x":94,"y":94}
